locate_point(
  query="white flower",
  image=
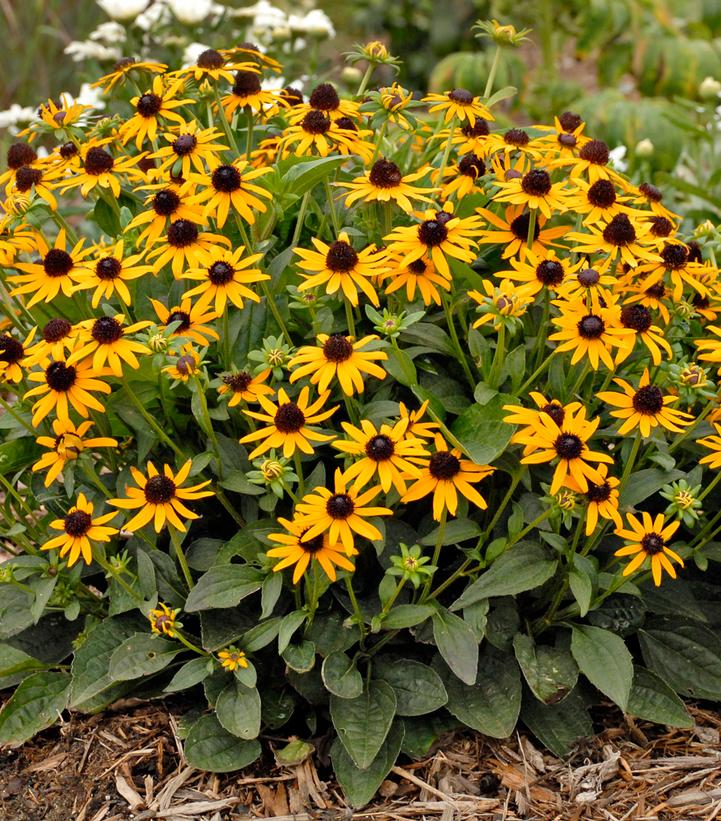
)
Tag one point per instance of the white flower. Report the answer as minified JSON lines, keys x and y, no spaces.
{"x":88,"y":50}
{"x":316,"y":22}
{"x":157,"y":14}
{"x":616,"y":156}
{"x":110,"y":33}
{"x":645,"y":148}
{"x":267,"y":16}
{"x":16,"y":115}
{"x":125,"y":10}
{"x":191,"y":12}
{"x":709,"y":89}
{"x":90,"y":96}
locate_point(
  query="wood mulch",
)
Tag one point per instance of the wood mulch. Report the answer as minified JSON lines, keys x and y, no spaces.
{"x":127,"y":763}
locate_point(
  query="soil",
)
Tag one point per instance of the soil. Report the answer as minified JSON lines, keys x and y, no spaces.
{"x":127,"y":763}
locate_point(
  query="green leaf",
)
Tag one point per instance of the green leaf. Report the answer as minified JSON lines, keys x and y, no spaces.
{"x":34,"y":705}
{"x":341,"y":676}
{"x":492,"y":705}
{"x":604,"y":659}
{"x":418,"y":688}
{"x":685,"y":655}
{"x":457,"y":643}
{"x":360,"y":785}
{"x":363,"y":723}
{"x":211,"y":747}
{"x":15,"y":662}
{"x":558,"y":726}
{"x":653,"y":700}
{"x":238,"y":710}
{"x":141,"y":655}
{"x":456,"y":531}
{"x":303,"y":176}
{"x":261,"y":635}
{"x":407,"y":615}
{"x":300,"y":657}
{"x":106,"y":218}
{"x":581,"y":580}
{"x":644,"y":483}
{"x":15,"y":613}
{"x":16,"y":454}
{"x":524,"y":567}
{"x":224,"y":586}
{"x":190,"y":674}
{"x":482,"y":431}
{"x":550,"y":672}
{"x":288,"y":626}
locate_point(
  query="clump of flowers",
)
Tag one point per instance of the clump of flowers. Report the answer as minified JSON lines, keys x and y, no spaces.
{"x":307,"y":393}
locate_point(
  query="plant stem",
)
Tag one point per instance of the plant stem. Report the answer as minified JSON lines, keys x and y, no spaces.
{"x":356,"y":607}
{"x":630,"y":461}
{"x":492,"y":73}
{"x":182,"y":561}
{"x":161,"y":434}
{"x":436,"y":553}
{"x":331,"y":206}
{"x":539,"y":370}
{"x":276,"y":313}
{"x":15,"y":415}
{"x":301,"y":217}
{"x":456,"y":343}
{"x":349,"y":318}
{"x":364,"y":81}
{"x":705,"y":492}
{"x":498,"y":357}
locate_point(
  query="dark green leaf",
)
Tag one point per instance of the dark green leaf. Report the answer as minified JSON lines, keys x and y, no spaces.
{"x":653,"y":700}
{"x":418,"y":688}
{"x":482,"y":431}
{"x":558,"y":726}
{"x":238,"y":710}
{"x":407,"y":615}
{"x":190,"y":674}
{"x":550,"y":672}
{"x":210,"y":747}
{"x":224,"y":586}
{"x":35,"y":705}
{"x":341,"y":676}
{"x":604,"y":659}
{"x":457,"y":643}
{"x":363,"y":723}
{"x":141,"y":655}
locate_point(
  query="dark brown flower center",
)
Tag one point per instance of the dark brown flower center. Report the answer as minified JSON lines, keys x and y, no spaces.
{"x":460,"y":96}
{"x":570,"y":121}
{"x":694,"y":251}
{"x":149,"y":105}
{"x":432,"y":233}
{"x":68,"y":150}
{"x":11,"y":351}
{"x":26,"y":177}
{"x":77,"y":523}
{"x":346,"y":123}
{"x":674,"y":256}
{"x":417,"y":267}
{"x":337,"y":348}
{"x":471,"y":166}
{"x":516,"y":137}
{"x":181,"y":317}
{"x":56,"y":329}
{"x":292,"y":96}
{"x":652,"y":543}
{"x":699,"y":301}
{"x":108,"y":268}
{"x":98,"y":161}
{"x":20,"y":154}
{"x":637,"y":317}
{"x":602,"y":194}
{"x":649,"y":191}
{"x":385,"y":174}
{"x":520,"y":225}
{"x":124,"y":63}
{"x":185,"y":144}
{"x":311,"y":546}
{"x":182,"y":233}
{"x":598,"y":493}
{"x":210,"y":58}
{"x":444,"y":465}
{"x":656,"y":291}
{"x":380,"y":448}
{"x":619,"y":231}
{"x":57,"y":263}
{"x":341,"y":257}
{"x":567,"y":140}
{"x":324,"y":98}
{"x":595,"y":151}
{"x":340,"y":506}
{"x":159,"y":490}
{"x":166,"y":202}
{"x":289,"y":418}
{"x":537,"y":183}
{"x":661,"y":227}
{"x":555,"y":411}
{"x":246,"y":84}
{"x":315,"y":122}
{"x":591,"y":327}
{"x":648,"y":400}
{"x":60,"y":377}
{"x":550,"y":272}
{"x":106,"y":330}
{"x":226,"y":179}
{"x":478,"y":129}
{"x":220,"y":273}
{"x":568,"y":446}
{"x":588,"y":277}
{"x":238,"y":382}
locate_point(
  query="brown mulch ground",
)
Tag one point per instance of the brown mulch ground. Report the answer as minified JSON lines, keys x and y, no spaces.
{"x":127,"y":764}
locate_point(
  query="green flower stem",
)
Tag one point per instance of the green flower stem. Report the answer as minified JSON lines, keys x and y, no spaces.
{"x":182,"y":561}
{"x":88,"y":469}
{"x":498,"y":357}
{"x":712,"y":484}
{"x":161,"y":434}
{"x":249,"y":139}
{"x":189,"y":644}
{"x":408,"y":370}
{"x":535,"y":375}
{"x":531,"y":228}
{"x":394,"y":595}
{"x":446,"y":151}
{"x":356,"y":607}
{"x":540,"y":346}
{"x":364,"y":81}
{"x":276,"y":313}
{"x":225,"y":330}
{"x":452,"y":578}
{"x":301,"y":219}
{"x":515,"y":480}
{"x":681,"y":437}
{"x":311,"y":588}
{"x":379,"y":141}
{"x":630,"y":461}
{"x":436,"y":553}
{"x":331,"y":206}
{"x":113,"y":573}
{"x":456,"y":343}
{"x":16,"y":496}
{"x":72,"y":236}
{"x":528,"y":528}
{"x":208,"y":424}
{"x":492,"y":73}
{"x":15,"y":415}
{"x":224,"y":121}
{"x":233,"y":513}
{"x":353,"y":416}
{"x":349,"y":318}
{"x":299,"y":472}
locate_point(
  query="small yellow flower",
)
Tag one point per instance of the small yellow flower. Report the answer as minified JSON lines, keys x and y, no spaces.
{"x":163,"y":620}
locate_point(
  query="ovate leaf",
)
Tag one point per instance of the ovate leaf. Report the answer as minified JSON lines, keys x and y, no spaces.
{"x":550,"y":672}
{"x":604,"y":659}
{"x":210,"y":747}
{"x":223,"y":586}
{"x":457,"y":643}
{"x":238,"y":710}
{"x":418,"y":688}
{"x":363,"y":723}
{"x":653,"y":700}
{"x":34,"y":705}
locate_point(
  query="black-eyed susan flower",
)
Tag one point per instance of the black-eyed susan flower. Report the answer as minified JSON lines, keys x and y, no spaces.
{"x":445,"y":475}
{"x":674,"y":261}
{"x":621,"y":238}
{"x":107,"y":340}
{"x":56,"y":272}
{"x":567,"y":442}
{"x":185,"y":245}
{"x":250,"y":52}
{"x":232,"y":186}
{"x":501,"y":303}
{"x":224,"y":277}
{"x":192,"y":320}
{"x":463,"y":178}
{"x":592,"y":163}
{"x":644,"y":407}
{"x":598,"y":201}
{"x":19,"y":154}
{"x":243,"y":386}
{"x":565,"y":138}
{"x":536,"y":191}
{"x":340,"y":513}
{"x":190,"y":147}
{"x":231,"y":658}
{"x":458,"y":103}
{"x":515,"y":142}
{"x":66,"y":446}
{"x":164,"y":620}
{"x":325,"y":98}
{"x":649,"y":196}
{"x":108,"y":272}
{"x":98,"y":167}
{"x":712,"y":443}
{"x":288,"y":423}
{"x":470,"y":139}
{"x":213,"y":65}
{"x":438,"y":236}
{"x":318,"y":133}
{"x":185,"y":365}
{"x":63,"y":385}
{"x":539,"y":271}
{"x":169,"y":203}
{"x":601,"y":499}
{"x":385,"y":452}
{"x":417,"y":426}
{"x":639,"y":319}
{"x":247,"y":93}
{"x":340,"y":267}
{"x":160,"y":497}
{"x":512,"y":232}
{"x":35,"y":179}
{"x":296,"y":548}
{"x":527,"y":418}
{"x":13,"y":356}
{"x":58,"y":114}
{"x":589,"y":335}
{"x":654,"y":297}
{"x":79,"y":529}
{"x":156,"y":104}
{"x":593,"y":286}
{"x":385,"y":182}
{"x":648,"y":539}
{"x":338,"y":357}
{"x":57,"y":340}
{"x":419,"y":275}
{"x":122,"y":70}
